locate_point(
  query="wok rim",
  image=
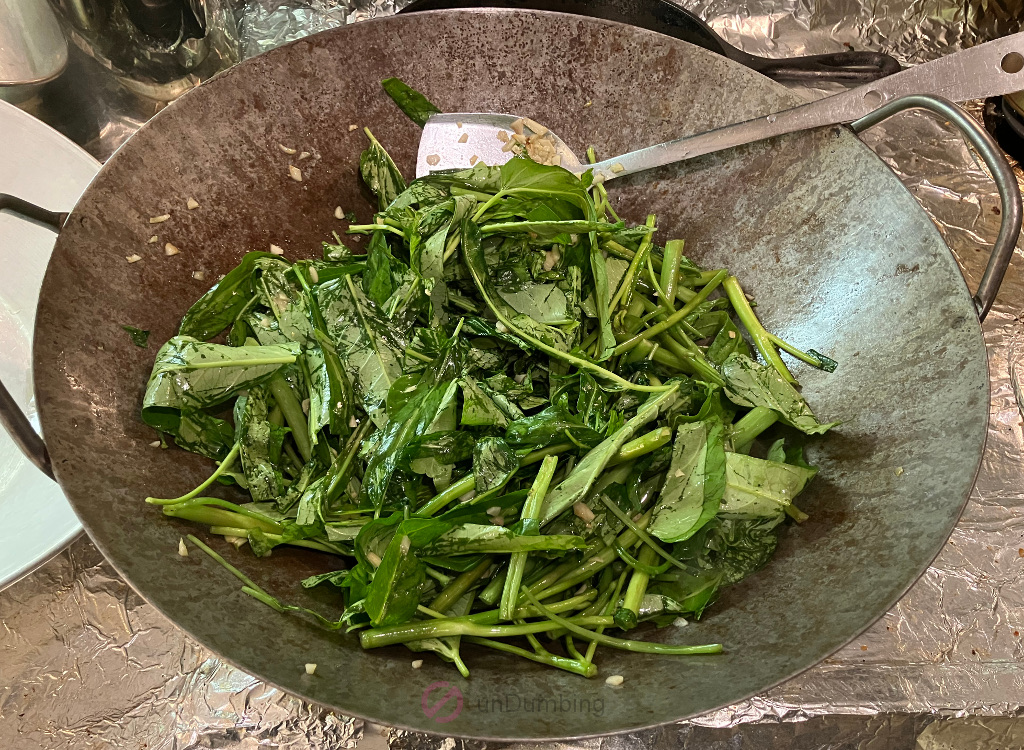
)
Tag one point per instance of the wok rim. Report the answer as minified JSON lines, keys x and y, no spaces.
{"x":301,"y":693}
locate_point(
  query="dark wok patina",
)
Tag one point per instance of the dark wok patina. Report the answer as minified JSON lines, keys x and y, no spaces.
{"x":836,"y":250}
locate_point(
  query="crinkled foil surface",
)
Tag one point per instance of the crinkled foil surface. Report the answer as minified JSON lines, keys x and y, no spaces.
{"x":85,"y":663}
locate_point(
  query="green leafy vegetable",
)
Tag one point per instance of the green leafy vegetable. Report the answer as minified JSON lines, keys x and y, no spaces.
{"x":138,"y":336}
{"x":416,"y":106}
{"x":514,"y":414}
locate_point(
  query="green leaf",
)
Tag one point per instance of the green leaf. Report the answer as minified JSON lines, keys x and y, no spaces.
{"x":483,"y":407}
{"x":377,"y":282}
{"x":694,"y":484}
{"x":481,"y":178}
{"x":471,"y":538}
{"x":750,"y":384}
{"x":394,"y":592}
{"x":727,"y":341}
{"x":335,"y":578}
{"x":755,"y":487}
{"x":288,"y":305}
{"x":415,"y":106}
{"x":494,"y":462}
{"x":545,"y":303}
{"x":476,"y":262}
{"x":725,"y":551}
{"x":446,"y":447}
{"x":190,"y":375}
{"x":576,"y":486}
{"x":260,"y":446}
{"x":380,"y":173}
{"x":198,"y":432}
{"x":369,"y":347}
{"x":549,"y":426}
{"x":411,"y":422}
{"x":218,"y":308}
{"x":138,"y":336}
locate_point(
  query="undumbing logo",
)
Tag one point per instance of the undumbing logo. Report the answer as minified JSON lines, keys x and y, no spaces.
{"x":441,"y":701}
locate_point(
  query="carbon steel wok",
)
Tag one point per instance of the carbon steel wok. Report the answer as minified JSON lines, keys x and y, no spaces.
{"x":837,"y":252}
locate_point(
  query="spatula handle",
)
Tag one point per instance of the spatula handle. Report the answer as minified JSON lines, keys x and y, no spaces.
{"x":990,"y":69}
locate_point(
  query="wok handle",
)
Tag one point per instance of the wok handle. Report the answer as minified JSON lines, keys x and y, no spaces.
{"x":1006,"y":183}
{"x":12,"y":418}
{"x":859,"y":66}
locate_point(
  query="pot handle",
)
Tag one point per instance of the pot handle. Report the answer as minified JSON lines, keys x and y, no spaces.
{"x":12,"y":418}
{"x":859,"y":66}
{"x":1006,"y":183}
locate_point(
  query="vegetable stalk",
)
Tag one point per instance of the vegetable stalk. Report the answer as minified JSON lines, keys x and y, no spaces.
{"x":529,"y":518}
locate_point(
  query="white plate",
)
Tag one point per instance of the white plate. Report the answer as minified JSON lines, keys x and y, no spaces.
{"x":40,"y":165}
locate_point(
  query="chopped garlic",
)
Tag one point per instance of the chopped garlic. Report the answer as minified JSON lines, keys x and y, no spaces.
{"x":237,"y":541}
{"x":305,"y":406}
{"x":550,"y":259}
{"x":192,"y":203}
{"x":494,"y":510}
{"x":732,"y":334}
{"x":583,"y":512}
{"x":616,"y":168}
{"x":304,"y":155}
{"x":287,"y":150}
{"x":588,"y":104}
{"x":517,"y":126}
{"x":338,"y":213}
{"x":352,"y":127}
{"x":170,"y":249}
{"x":680,"y":622}
{"x":313,"y":275}
{"x":199,"y":275}
{"x":133,"y":258}
{"x":153,"y":239}
{"x":535,"y":126}
{"x":464,"y":137}
{"x":155,"y":444}
{"x":276,"y":250}
{"x":498,"y":520}
{"x":159,"y":219}
{"x":433,"y":160}
{"x":458,"y":124}
{"x":405,"y":545}
{"x":352,"y":421}
{"x":310,"y":668}
{"x":373,"y":559}
{"x":182,"y":549}
{"x":473,"y":159}
{"x":417,"y":663}
{"x":295,"y":173}
{"x":503,"y":136}
{"x":614,"y":680}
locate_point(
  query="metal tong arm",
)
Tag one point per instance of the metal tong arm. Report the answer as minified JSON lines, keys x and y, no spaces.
{"x":990,"y":69}
{"x":12,"y":418}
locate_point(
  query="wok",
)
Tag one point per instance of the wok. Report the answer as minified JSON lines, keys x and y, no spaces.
{"x":836,"y":251}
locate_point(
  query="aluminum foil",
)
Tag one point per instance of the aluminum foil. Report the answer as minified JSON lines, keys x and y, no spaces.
{"x":85,"y":663}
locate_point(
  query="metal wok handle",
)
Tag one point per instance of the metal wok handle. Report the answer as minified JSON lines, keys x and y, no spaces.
{"x":859,"y":66}
{"x":1006,"y":183}
{"x":12,"y":417}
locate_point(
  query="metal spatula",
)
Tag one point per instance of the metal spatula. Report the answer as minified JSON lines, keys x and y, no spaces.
{"x":451,"y":141}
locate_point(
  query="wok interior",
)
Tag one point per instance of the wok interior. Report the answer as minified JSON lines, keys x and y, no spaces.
{"x":836,"y":252}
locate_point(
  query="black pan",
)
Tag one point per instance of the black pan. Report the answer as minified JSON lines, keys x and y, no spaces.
{"x":852,"y":67}
{"x":836,"y":250}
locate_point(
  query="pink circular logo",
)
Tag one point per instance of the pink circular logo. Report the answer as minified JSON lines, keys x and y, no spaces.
{"x":441,"y":701}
